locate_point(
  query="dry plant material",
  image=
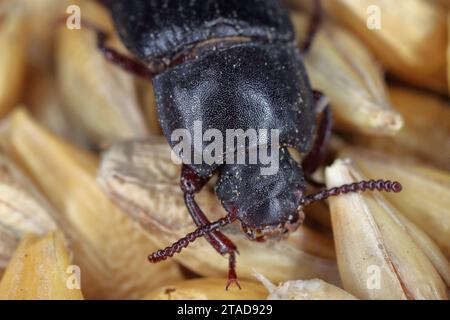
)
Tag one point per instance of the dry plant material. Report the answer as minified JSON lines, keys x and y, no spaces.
{"x":13,"y":41}
{"x":140,"y":177}
{"x":45,"y":105}
{"x":40,"y":269}
{"x":377,"y":257}
{"x":22,"y":210}
{"x":100,"y":97}
{"x":411,"y":39}
{"x":314,"y":289}
{"x":318,"y":215}
{"x":42,"y":16}
{"x":445,"y":3}
{"x":429,"y":247}
{"x":208,"y":289}
{"x":110,"y":249}
{"x":426,"y":134}
{"x":425,"y":198}
{"x":448,"y":49}
{"x":341,"y":67}
{"x":148,"y":104}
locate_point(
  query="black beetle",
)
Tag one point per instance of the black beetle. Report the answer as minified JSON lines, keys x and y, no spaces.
{"x":231,"y":64}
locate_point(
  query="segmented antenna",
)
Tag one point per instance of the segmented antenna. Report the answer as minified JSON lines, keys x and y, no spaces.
{"x":380,"y":185}
{"x":163,"y":254}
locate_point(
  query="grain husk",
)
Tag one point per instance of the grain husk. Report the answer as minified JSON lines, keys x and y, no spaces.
{"x":314,"y":289}
{"x":109,"y":247}
{"x":23,"y":209}
{"x":99,"y":96}
{"x":13,"y":41}
{"x":411,"y":41}
{"x":426,"y":133}
{"x":377,"y":257}
{"x":208,"y":289}
{"x":342,"y":68}
{"x":425,"y":196}
{"x":40,"y":270}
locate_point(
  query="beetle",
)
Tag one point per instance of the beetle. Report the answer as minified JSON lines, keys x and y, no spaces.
{"x":232,"y":64}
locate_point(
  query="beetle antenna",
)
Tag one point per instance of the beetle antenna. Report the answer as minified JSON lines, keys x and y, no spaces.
{"x":176,"y":247}
{"x":380,"y":185}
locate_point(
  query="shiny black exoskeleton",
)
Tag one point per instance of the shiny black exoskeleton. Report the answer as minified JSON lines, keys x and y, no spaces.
{"x":231,"y":64}
{"x":241,"y":69}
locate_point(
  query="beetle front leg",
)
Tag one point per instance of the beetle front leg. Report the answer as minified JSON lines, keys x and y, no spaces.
{"x":316,"y":156}
{"x":314,"y":25}
{"x":102,"y":2}
{"x":119,"y":59}
{"x":191,"y":183}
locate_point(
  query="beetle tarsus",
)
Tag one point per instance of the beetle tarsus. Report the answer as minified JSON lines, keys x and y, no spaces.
{"x":316,"y":156}
{"x":232,"y":277}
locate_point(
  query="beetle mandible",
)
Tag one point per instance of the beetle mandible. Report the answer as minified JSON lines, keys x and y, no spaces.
{"x":232,"y":64}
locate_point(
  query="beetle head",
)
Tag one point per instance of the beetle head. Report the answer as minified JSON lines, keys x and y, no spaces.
{"x":275,"y":217}
{"x":268,"y":206}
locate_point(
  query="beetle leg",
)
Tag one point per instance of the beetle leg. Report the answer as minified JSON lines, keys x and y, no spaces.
{"x":191,"y":183}
{"x":101,"y":2}
{"x":128,"y":64}
{"x":316,"y":156}
{"x":218,"y":240}
{"x":316,"y":21}
{"x":177,"y":246}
